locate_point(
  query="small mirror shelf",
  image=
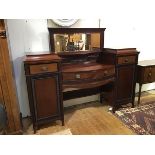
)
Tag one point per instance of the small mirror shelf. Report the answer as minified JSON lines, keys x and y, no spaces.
{"x":76,"y":40}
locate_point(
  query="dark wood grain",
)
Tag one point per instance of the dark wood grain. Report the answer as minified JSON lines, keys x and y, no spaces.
{"x":43,"y":58}
{"x":88,"y":84}
{"x":126,"y":60}
{"x":43,"y":68}
{"x":125,"y":82}
{"x":45,"y":91}
{"x":91,"y":74}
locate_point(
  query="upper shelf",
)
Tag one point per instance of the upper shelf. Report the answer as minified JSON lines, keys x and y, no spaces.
{"x":78,"y":53}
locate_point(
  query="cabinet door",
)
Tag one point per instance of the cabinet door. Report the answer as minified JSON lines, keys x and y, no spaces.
{"x":45,"y":95}
{"x":125,"y":82}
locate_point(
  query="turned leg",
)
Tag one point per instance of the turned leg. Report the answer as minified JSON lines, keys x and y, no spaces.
{"x":35,"y":129}
{"x":113,"y":109}
{"x":133,"y":100}
{"x":101,"y":98}
{"x":63,"y":123}
{"x":139,"y":94}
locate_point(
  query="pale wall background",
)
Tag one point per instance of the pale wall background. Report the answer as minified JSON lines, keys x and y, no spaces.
{"x":31,"y":35}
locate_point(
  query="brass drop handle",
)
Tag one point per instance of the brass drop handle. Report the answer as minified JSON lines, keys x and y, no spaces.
{"x":150,"y":74}
{"x":105,"y":73}
{"x":77,"y":76}
{"x":126,"y":60}
{"x":2,"y":34}
{"x":44,"y":68}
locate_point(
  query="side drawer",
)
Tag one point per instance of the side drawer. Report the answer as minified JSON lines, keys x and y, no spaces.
{"x":126,"y":60}
{"x":149,"y":74}
{"x":42,"y":68}
{"x":98,"y":74}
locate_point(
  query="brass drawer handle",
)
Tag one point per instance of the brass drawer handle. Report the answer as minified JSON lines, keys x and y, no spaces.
{"x":44,"y":68}
{"x":150,"y":74}
{"x":77,"y":76}
{"x":150,"y":68}
{"x":105,"y":73}
{"x":126,"y":60}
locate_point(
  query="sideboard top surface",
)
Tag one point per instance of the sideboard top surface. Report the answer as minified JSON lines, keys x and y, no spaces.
{"x":123,"y":51}
{"x":45,"y":58}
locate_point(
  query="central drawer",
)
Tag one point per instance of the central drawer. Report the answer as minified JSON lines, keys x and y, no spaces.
{"x":89,"y":75}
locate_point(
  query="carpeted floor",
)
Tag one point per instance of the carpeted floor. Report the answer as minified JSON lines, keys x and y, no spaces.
{"x":140,"y":119}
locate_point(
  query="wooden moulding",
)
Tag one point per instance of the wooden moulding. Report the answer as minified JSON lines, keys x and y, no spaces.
{"x":7,"y":88}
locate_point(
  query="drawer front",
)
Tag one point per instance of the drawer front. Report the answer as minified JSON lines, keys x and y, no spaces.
{"x":149,"y":74}
{"x":126,"y":59}
{"x":42,"y":68}
{"x":99,"y":74}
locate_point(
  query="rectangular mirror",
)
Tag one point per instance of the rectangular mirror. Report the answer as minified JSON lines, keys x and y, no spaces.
{"x":76,"y":39}
{"x":76,"y":42}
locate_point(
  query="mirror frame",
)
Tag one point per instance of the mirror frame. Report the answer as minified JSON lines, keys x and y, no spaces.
{"x":64,"y":22}
{"x":53,"y":31}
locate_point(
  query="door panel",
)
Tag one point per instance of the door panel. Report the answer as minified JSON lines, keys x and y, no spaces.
{"x":125,"y":82}
{"x":45,"y":95}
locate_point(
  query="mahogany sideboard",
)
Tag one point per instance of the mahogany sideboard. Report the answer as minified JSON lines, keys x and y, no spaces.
{"x":86,"y":70}
{"x":50,"y":81}
{"x":145,"y":74}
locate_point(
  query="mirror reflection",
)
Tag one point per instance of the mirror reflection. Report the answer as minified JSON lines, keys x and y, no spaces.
{"x":76,"y":42}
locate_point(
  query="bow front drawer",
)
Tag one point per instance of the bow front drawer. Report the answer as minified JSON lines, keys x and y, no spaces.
{"x":98,"y":74}
{"x":42,"y":68}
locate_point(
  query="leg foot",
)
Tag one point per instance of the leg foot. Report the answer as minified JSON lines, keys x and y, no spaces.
{"x":63,"y":122}
{"x":133,"y":105}
{"x":101,"y":98}
{"x":140,"y":88}
{"x":113,"y":109}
